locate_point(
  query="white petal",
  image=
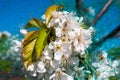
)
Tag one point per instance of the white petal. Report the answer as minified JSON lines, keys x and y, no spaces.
{"x":77,"y":48}
{"x":18,"y":43}
{"x":43,"y":16}
{"x":58,"y":32}
{"x":66,"y":77}
{"x":66,"y":48}
{"x":75,"y":60}
{"x":69,"y":78}
{"x":91,"y":29}
{"x":75,"y":42}
{"x":31,"y":67}
{"x":65,"y":12}
{"x":54,"y":64}
{"x":52,"y":76}
{"x":33,"y":73}
{"x":41,"y":67}
{"x":81,"y":19}
{"x":23,"y":31}
{"x":50,"y":46}
{"x":58,"y":55}
{"x":46,"y":53}
{"x":71,"y":34}
{"x":57,"y":20}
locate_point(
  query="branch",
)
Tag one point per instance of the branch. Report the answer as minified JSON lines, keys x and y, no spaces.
{"x":102,"y":12}
{"x":110,"y":35}
{"x":79,"y":6}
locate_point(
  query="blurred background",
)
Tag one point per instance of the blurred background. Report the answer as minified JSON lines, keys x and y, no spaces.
{"x":102,"y":15}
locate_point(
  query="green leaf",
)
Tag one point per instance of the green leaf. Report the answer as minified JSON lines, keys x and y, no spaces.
{"x":34,"y":43}
{"x":41,"y":39}
{"x":28,"y":47}
{"x":41,"y":42}
{"x":48,"y":13}
{"x":34,"y":23}
{"x":84,"y":26}
{"x":28,"y":50}
{"x":30,"y":37}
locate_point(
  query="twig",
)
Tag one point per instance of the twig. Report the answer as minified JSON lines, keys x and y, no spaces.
{"x":101,"y":12}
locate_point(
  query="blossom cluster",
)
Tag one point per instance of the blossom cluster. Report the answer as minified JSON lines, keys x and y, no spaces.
{"x":9,"y":46}
{"x":60,"y":56}
{"x":105,"y":68}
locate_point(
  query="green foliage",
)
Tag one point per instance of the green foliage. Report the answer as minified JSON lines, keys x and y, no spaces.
{"x":114,"y":53}
{"x":4,"y":46}
{"x":84,"y":26}
{"x":5,"y":65}
{"x":25,"y":78}
{"x":113,"y":78}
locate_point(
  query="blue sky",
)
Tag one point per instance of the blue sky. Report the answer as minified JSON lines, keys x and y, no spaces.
{"x":15,"y":13}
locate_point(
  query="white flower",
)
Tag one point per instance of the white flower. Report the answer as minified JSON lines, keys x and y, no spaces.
{"x":51,"y":65}
{"x":17,"y":43}
{"x":91,"y":29}
{"x":92,"y":11}
{"x":82,"y":41}
{"x":41,"y":67}
{"x":105,"y":68}
{"x":31,"y":69}
{"x":48,"y":52}
{"x":62,"y":49}
{"x":6,"y":33}
{"x":59,"y":75}
{"x":23,"y":31}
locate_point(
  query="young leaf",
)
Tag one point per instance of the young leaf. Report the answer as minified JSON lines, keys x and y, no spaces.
{"x":48,"y":13}
{"x":34,"y":43}
{"x":28,"y":50}
{"x":26,"y":63}
{"x":34,"y":23}
{"x":30,"y":37}
{"x":41,"y":39}
{"x":41,"y":42}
